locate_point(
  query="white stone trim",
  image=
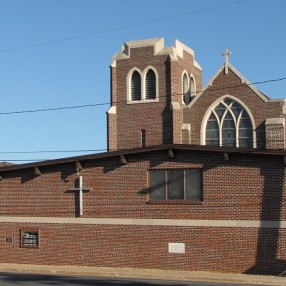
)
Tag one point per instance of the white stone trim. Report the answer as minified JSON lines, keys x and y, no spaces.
{"x":186,"y":127}
{"x":184,"y":73}
{"x":112,"y":110}
{"x":274,"y":121}
{"x":143,"y":83}
{"x":175,"y":105}
{"x":242,"y":80}
{"x":192,"y":78}
{"x":180,"y":48}
{"x":147,"y":222}
{"x":128,"y":82}
{"x":159,"y":49}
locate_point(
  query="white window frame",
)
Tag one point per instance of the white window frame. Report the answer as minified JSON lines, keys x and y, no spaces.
{"x":191,"y":87}
{"x":213,"y":106}
{"x":143,"y":85}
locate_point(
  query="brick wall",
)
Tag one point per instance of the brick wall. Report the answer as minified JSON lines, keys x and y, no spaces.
{"x":245,"y":188}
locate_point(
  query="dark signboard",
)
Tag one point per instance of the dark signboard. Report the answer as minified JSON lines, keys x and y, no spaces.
{"x":29,"y":238}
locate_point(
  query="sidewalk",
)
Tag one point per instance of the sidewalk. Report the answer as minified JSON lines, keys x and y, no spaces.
{"x":143,"y":273}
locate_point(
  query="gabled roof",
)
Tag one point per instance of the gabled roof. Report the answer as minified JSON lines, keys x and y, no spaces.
{"x":243,"y":80}
{"x":122,"y":153}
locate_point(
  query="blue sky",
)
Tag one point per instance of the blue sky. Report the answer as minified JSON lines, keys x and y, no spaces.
{"x":56,"y":53}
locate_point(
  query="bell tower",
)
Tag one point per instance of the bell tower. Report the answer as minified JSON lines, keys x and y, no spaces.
{"x":150,"y":86}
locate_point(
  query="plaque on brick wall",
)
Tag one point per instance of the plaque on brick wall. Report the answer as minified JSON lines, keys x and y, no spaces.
{"x":29,"y":238}
{"x":176,"y":247}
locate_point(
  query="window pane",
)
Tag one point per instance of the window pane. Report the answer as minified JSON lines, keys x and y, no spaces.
{"x":245,"y":123}
{"x":246,"y":142}
{"x":236,"y":109}
{"x":212,"y":134}
{"x":245,"y":131}
{"x":220,"y":109}
{"x":212,"y":125}
{"x":175,"y":179}
{"x":212,"y":131}
{"x":228,"y":101}
{"x":193,"y":184}
{"x":212,"y":142}
{"x":157,"y":185}
{"x":228,"y":131}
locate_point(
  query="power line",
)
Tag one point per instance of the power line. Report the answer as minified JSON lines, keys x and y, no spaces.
{"x":53,"y":109}
{"x":120,"y":28}
{"x":108,"y":103}
{"x":105,"y":149}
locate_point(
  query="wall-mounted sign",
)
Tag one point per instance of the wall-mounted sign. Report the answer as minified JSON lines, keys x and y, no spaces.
{"x":30,"y":238}
{"x":9,"y":239}
{"x":176,"y":247}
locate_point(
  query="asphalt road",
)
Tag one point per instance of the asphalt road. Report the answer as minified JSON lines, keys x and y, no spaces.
{"x":9,"y":279}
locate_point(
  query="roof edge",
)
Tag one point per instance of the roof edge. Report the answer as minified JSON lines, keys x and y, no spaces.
{"x":104,"y":155}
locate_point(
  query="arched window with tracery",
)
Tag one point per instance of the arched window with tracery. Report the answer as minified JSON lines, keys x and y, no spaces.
{"x":230,"y":125}
{"x":150,"y":85}
{"x":136,"y":86}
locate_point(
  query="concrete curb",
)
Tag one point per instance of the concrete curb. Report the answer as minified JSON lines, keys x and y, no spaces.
{"x":142,"y":273}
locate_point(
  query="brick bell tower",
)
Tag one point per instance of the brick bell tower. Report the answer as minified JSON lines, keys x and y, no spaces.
{"x":150,"y":87}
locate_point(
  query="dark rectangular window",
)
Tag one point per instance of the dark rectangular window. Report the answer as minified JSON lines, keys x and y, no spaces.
{"x":176,"y":184}
{"x":143,"y":138}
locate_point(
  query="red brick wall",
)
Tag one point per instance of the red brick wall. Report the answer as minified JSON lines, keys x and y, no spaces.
{"x":207,"y":249}
{"x":248,"y":187}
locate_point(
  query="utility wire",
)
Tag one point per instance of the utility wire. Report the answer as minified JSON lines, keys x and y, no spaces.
{"x":120,"y":28}
{"x":108,"y":103}
{"x":104,"y":150}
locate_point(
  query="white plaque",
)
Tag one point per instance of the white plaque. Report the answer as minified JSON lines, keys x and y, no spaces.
{"x":176,"y":247}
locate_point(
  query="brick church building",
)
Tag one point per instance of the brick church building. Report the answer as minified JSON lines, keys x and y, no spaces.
{"x":194,"y":177}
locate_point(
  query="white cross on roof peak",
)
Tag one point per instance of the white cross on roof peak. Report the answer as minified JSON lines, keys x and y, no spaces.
{"x":226,"y":54}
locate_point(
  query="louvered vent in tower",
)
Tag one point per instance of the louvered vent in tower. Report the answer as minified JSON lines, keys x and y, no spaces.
{"x":136,"y":86}
{"x":150,"y":85}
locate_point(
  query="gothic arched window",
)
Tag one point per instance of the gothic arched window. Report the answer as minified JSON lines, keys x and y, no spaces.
{"x":136,"y":86}
{"x":150,"y":85}
{"x":229,"y":124}
{"x":186,"y":89}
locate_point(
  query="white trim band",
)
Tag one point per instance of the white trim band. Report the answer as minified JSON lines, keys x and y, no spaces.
{"x":147,"y":222}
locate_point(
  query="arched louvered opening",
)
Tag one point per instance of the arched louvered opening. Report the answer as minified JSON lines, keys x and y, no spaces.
{"x":229,"y":124}
{"x":186,"y":90}
{"x":136,"y":86}
{"x":150,"y":85}
{"x":192,"y":87}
